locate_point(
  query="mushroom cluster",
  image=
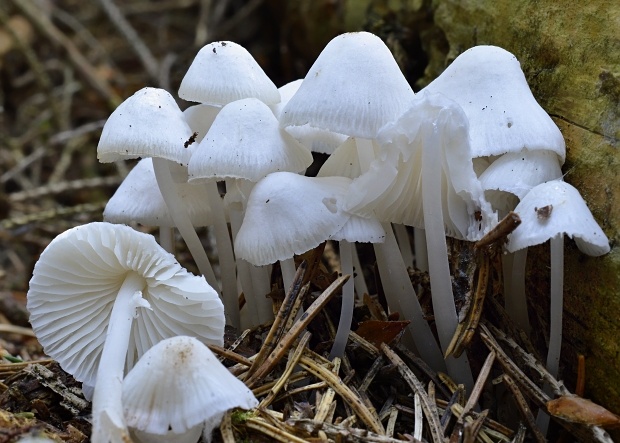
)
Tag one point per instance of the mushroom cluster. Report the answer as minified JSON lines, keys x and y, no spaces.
{"x":445,"y":161}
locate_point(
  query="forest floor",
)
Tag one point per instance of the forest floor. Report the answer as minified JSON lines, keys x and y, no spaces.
{"x":64,"y":66}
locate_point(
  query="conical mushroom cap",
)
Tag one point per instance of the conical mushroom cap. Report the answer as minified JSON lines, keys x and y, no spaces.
{"x":147,"y":124}
{"x":354,"y":87}
{"x":245,"y":141}
{"x":554,"y":208}
{"x":223,"y":72}
{"x":75,"y":283}
{"x":138,"y":200}
{"x":177,"y":385}
{"x":289,"y":214}
{"x":488,"y":83}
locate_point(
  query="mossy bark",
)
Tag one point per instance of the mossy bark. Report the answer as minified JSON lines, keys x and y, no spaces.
{"x":570,"y":54}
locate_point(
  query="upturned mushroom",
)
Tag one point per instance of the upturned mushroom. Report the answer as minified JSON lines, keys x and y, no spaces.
{"x":100,"y":296}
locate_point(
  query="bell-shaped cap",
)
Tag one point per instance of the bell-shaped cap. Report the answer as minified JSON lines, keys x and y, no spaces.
{"x":354,"y":87}
{"x":315,"y":139}
{"x":289,"y":214}
{"x":138,"y":200}
{"x":488,"y":83}
{"x":176,"y":386}
{"x":245,"y":141}
{"x":147,"y":124}
{"x":75,"y":283}
{"x":200,"y":118}
{"x":392,"y":188}
{"x":554,"y":208}
{"x":361,"y":230}
{"x":223,"y":72}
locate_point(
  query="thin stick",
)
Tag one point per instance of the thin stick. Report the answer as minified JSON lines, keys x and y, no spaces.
{"x":416,"y":386}
{"x":282,"y":346}
{"x":336,"y":383}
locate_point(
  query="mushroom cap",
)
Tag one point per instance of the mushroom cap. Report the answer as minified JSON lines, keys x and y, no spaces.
{"x":223,"y":72}
{"x":361,"y":230}
{"x":177,"y":385}
{"x":289,"y":214}
{"x":74,"y":286}
{"x":354,"y":87}
{"x":554,"y":208}
{"x":516,"y":173}
{"x":488,"y":83}
{"x":392,"y":188}
{"x":246,"y":141}
{"x":200,"y":118}
{"x":138,"y":200}
{"x":315,"y":139}
{"x":147,"y":124}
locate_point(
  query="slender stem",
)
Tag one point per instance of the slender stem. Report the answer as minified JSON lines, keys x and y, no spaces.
{"x":288,"y":272}
{"x":402,"y":298}
{"x":404,"y":243}
{"x":108,"y":418}
{"x":439,"y":270}
{"x":555,"y":319}
{"x":516,"y":299}
{"x":225,"y":254}
{"x":557,"y":303}
{"x":348,"y":301}
{"x":421,"y":252}
{"x":182,"y":221}
{"x":360,"y":282}
{"x":251,"y":301}
{"x":166,"y":239}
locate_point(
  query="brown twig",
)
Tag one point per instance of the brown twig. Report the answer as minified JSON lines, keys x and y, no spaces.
{"x":429,"y":408}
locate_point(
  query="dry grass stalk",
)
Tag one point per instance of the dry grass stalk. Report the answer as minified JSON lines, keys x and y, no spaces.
{"x":429,"y":408}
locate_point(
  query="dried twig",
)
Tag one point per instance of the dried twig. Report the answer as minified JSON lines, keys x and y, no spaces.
{"x":429,"y":409}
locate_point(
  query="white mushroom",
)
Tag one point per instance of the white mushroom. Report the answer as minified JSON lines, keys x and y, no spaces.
{"x":178,"y":388}
{"x":150,"y":124}
{"x":223,"y":72}
{"x":100,"y":296}
{"x":138,"y":200}
{"x":245,"y":142}
{"x":488,"y":83}
{"x":548,"y":212}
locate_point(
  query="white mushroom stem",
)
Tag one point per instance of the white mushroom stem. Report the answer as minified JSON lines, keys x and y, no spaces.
{"x":557,"y":302}
{"x":421,"y":252}
{"x":360,"y":281}
{"x":166,"y":239}
{"x":288,"y":272}
{"x":225,"y":254}
{"x":404,"y":243}
{"x":348,"y":301}
{"x":397,"y":286}
{"x":401,"y":297}
{"x":250,"y":292}
{"x":439,"y":270}
{"x":108,"y":420}
{"x":182,"y":221}
{"x":555,"y":320}
{"x":516,"y":299}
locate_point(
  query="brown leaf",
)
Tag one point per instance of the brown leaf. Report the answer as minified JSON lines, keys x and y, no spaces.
{"x":377,"y":332}
{"x":580,"y":410}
